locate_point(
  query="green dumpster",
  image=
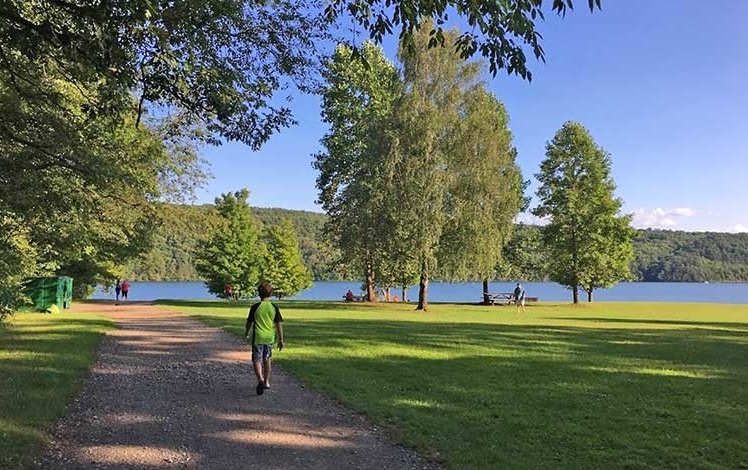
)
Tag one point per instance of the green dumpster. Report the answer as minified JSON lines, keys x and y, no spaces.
{"x":48,"y":291}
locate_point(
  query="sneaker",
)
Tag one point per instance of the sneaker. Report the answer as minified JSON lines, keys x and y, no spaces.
{"x":267,"y":386}
{"x":260,"y":389}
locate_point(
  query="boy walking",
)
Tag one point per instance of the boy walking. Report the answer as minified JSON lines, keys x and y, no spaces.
{"x":266,"y":325}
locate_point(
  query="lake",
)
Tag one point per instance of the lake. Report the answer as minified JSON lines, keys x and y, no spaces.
{"x":733,"y":293}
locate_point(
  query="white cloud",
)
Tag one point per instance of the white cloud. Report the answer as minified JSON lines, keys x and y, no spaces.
{"x":660,"y":218}
{"x":684,"y":211}
{"x":740,"y":228}
{"x":530,"y":219}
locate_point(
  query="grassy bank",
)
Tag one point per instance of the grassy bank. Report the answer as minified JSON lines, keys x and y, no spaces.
{"x":42,"y":361}
{"x":608,"y":385}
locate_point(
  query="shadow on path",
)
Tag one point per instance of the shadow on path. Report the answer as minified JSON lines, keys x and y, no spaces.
{"x":169,"y":392}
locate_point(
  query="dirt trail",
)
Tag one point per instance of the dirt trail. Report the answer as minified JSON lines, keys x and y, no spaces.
{"x":170,"y":392}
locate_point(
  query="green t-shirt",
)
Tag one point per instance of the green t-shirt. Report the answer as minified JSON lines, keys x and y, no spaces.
{"x":264,"y":315}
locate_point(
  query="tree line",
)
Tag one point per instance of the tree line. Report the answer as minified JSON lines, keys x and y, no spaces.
{"x":659,"y":255}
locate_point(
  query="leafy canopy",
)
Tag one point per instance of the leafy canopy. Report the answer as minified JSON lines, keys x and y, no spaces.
{"x":589,"y":244}
{"x":499,"y":31}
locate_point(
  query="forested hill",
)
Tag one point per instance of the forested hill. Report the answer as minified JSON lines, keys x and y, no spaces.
{"x":184,"y":227}
{"x":660,"y":255}
{"x":664,"y":255}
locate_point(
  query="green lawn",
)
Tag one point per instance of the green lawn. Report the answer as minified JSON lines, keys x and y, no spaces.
{"x":42,"y":361}
{"x":607,"y":385}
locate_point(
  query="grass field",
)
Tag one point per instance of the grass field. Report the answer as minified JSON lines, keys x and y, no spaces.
{"x":606,"y":385}
{"x":42,"y":361}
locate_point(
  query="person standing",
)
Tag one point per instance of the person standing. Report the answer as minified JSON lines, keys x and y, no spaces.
{"x":266,"y":325}
{"x":519,"y":297}
{"x":117,"y":290}
{"x":125,"y":289}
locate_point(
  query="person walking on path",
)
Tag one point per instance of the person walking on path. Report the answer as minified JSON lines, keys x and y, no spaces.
{"x":519,"y":297}
{"x":187,"y":407}
{"x":125,"y":289}
{"x":117,"y":290}
{"x":266,"y":325}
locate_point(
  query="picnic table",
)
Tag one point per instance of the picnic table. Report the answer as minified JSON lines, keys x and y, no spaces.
{"x":493,"y":298}
{"x":503,"y":298}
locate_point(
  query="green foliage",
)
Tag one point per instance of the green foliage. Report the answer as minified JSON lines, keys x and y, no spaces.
{"x":530,"y":391}
{"x":500,"y":31}
{"x":485,"y":194}
{"x":215,"y":65}
{"x":82,"y":161}
{"x":232,"y":255}
{"x":357,"y":101}
{"x":18,"y":261}
{"x":283,"y":266}
{"x":588,"y":243}
{"x":322,"y":260}
{"x":181,"y":231}
{"x":660,"y":255}
{"x":80,"y":185}
{"x":524,"y":257}
{"x":665,"y":255}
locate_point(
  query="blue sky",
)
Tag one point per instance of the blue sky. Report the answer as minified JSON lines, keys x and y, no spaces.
{"x":661,"y":85}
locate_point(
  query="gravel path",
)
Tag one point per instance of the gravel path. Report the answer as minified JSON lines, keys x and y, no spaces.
{"x":170,"y":392}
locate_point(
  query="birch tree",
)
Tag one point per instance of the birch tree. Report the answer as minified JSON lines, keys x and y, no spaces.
{"x":485,"y":193}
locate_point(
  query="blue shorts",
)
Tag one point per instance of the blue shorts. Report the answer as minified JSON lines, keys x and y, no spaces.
{"x":261,"y":352}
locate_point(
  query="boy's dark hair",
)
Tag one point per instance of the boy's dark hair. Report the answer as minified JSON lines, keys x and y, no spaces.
{"x":265,"y":290}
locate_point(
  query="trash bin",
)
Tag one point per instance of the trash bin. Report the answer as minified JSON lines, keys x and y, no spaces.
{"x":48,"y":291}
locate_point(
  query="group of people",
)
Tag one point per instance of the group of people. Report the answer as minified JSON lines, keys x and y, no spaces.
{"x":122,"y":288}
{"x":349,"y":297}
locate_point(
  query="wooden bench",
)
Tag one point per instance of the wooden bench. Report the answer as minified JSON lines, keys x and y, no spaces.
{"x":356,"y":298}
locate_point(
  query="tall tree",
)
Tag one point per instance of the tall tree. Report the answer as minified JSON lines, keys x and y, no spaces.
{"x":283,"y":266}
{"x":485,"y":193}
{"x":419,"y":165}
{"x":357,"y":101}
{"x":589,"y":243}
{"x":85,"y":183}
{"x":233,"y":255}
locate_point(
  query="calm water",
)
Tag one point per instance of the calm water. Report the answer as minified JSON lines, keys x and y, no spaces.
{"x":471,"y":291}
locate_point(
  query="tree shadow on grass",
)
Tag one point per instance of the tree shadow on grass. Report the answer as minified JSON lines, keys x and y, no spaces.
{"x":546,"y":397}
{"x":731,"y":325}
{"x":290,"y":304}
{"x":40,"y":369}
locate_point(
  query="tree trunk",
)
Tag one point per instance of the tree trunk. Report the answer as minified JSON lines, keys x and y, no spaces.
{"x":485,"y":292}
{"x":405,"y":294}
{"x":589,"y":295}
{"x":575,"y":294}
{"x":387,"y":296}
{"x":371,"y":295}
{"x":423,"y":284}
